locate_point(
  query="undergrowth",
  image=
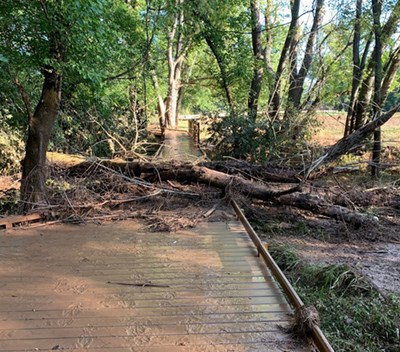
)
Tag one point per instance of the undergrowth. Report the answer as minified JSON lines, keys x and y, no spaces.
{"x":354,"y":316}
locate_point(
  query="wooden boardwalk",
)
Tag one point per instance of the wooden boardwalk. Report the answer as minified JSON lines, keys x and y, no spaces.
{"x":118,"y":287}
{"x":121,"y":288}
{"x":178,"y":146}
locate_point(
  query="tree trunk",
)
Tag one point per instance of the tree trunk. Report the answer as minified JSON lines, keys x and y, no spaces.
{"x":255,"y":88}
{"x":362,"y":104}
{"x":274,"y":102}
{"x":175,"y":60}
{"x":161,"y":109}
{"x":221,"y":65}
{"x":33,"y":189}
{"x":230,"y":184}
{"x":319,"y":206}
{"x":391,"y":69}
{"x":377,"y":101}
{"x":171,"y":103}
{"x":357,"y":71}
{"x":297,"y":77}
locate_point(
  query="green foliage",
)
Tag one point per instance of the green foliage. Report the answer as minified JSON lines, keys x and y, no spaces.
{"x":110,"y":47}
{"x":262,"y":140}
{"x":354,"y":316}
{"x":97,"y":40}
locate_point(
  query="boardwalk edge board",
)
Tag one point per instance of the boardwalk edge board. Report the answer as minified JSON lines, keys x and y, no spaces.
{"x":11,"y":222}
{"x":317,"y":335}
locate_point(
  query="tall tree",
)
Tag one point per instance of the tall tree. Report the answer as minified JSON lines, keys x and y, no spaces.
{"x":176,"y":50}
{"x":275,"y":93}
{"x":53,"y":38}
{"x":362,"y":104}
{"x":258,"y":54}
{"x":297,"y":74}
{"x":358,"y":67}
{"x":377,"y":100}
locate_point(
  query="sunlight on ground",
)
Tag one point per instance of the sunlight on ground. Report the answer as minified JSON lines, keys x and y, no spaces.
{"x":332,"y":129}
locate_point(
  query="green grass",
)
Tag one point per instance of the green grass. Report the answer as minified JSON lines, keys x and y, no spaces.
{"x":354,"y":316}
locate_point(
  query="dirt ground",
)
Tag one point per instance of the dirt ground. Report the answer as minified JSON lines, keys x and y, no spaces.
{"x":372,"y":250}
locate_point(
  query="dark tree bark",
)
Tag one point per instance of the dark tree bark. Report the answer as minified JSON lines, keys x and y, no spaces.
{"x":40,"y":124}
{"x":357,"y":69}
{"x":390,"y":70}
{"x":298,"y":76}
{"x":33,"y":188}
{"x":319,"y":206}
{"x":275,"y":93}
{"x":377,"y":101}
{"x":256,"y":83}
{"x":366,"y":91}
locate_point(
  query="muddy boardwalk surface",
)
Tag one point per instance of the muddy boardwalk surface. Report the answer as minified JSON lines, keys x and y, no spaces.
{"x":179,"y":146}
{"x":117,"y":287}
{"x":122,"y":287}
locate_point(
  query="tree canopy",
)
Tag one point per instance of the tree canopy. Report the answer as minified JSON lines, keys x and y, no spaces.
{"x":265,"y":64}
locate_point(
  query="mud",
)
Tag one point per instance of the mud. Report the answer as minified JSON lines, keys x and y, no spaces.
{"x":117,"y":287}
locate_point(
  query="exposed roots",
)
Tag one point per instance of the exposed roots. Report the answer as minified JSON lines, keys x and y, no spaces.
{"x":305,"y":319}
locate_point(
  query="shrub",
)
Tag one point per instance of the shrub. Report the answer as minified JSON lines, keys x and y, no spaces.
{"x":260,"y":140}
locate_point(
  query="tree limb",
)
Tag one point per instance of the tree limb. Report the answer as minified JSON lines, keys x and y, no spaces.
{"x":347,"y":143}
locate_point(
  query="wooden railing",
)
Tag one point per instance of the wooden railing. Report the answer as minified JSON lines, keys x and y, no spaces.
{"x":193,"y":126}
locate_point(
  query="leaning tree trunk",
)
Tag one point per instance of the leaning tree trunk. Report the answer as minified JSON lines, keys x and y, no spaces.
{"x":362,"y":103}
{"x":351,"y":141}
{"x":357,"y":70}
{"x":298,"y":76}
{"x":33,"y":190}
{"x":215,"y":49}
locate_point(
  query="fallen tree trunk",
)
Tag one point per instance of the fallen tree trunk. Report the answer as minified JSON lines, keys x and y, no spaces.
{"x":238,"y":184}
{"x":231,"y":184}
{"x":168,"y":171}
{"x":318,"y":205}
{"x":184,"y":173}
{"x":259,"y":172}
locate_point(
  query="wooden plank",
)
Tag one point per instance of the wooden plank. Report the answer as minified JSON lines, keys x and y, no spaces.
{"x":10,"y":222}
{"x":82,"y":322}
{"x":138,"y":340}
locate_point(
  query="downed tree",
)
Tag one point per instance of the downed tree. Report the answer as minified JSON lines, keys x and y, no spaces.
{"x":142,"y":173}
{"x":170,"y":170}
{"x":264,"y":173}
{"x":184,"y":172}
{"x":318,"y":205}
{"x":351,"y":141}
